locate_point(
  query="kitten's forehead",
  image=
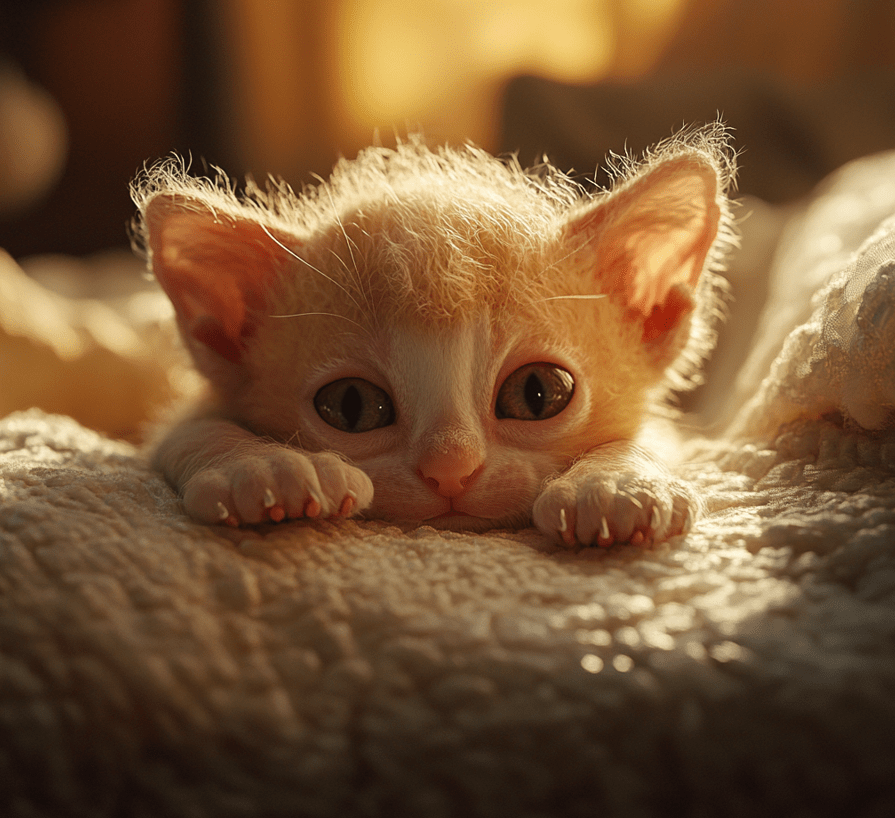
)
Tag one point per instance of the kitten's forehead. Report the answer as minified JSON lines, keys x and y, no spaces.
{"x":447,"y":354}
{"x":431,"y":257}
{"x":439,"y":373}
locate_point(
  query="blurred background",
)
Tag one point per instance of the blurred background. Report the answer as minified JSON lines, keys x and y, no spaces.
{"x":286,"y":86}
{"x":90,"y":90}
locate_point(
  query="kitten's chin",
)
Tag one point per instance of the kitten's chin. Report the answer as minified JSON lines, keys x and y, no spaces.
{"x":466,"y":513}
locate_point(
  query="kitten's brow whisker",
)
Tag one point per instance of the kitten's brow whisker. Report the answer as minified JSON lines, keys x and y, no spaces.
{"x":338,"y":218}
{"x":348,"y":243}
{"x":341,"y":261}
{"x":560,"y":260}
{"x":308,"y":264}
{"x":541,"y":273}
{"x":327,"y":314}
{"x":591,"y":297}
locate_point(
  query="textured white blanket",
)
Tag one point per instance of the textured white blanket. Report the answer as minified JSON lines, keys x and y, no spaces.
{"x":150,"y":666}
{"x":154,"y":667}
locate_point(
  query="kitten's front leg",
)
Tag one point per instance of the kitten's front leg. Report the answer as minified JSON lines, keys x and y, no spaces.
{"x":226,"y":474}
{"x":615,"y":493}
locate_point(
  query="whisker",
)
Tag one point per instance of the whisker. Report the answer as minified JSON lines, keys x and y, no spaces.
{"x":361,"y":284}
{"x":332,"y":202}
{"x":327,"y":314}
{"x":591,"y":297}
{"x":307,"y":263}
{"x":341,"y":261}
{"x":536,"y":279}
{"x":358,"y":278}
{"x":572,"y":252}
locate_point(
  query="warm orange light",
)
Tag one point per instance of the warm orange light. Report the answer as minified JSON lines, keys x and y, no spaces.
{"x":404,"y":63}
{"x":315,"y":78}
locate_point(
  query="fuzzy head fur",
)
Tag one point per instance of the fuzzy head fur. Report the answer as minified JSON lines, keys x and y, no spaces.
{"x":434,"y":275}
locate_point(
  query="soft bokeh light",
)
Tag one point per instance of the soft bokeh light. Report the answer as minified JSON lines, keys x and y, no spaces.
{"x":440,"y":61}
{"x":400,"y":60}
{"x":438,"y":65}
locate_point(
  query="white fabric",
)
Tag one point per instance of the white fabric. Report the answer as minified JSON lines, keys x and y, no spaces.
{"x":152,"y":666}
{"x":833,"y":279}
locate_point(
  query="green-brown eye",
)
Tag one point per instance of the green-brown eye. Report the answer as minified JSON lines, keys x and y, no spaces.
{"x":535,"y":392}
{"x":354,"y":405}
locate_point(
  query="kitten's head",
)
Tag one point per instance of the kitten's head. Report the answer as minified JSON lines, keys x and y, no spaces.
{"x":456,"y":327}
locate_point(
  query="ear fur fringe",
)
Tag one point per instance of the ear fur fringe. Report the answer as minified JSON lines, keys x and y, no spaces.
{"x":713,"y":143}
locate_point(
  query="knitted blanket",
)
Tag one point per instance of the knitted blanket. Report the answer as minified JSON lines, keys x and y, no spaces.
{"x":150,"y":666}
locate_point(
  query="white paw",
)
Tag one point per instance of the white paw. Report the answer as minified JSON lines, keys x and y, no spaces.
{"x":268,"y":482}
{"x":595,"y":508}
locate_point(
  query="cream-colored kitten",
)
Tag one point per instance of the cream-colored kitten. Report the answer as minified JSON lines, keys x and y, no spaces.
{"x":440,"y":338}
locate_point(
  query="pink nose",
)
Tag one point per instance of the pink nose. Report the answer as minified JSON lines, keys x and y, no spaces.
{"x":450,"y":474}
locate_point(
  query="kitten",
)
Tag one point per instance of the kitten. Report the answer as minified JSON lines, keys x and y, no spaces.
{"x":440,"y":338}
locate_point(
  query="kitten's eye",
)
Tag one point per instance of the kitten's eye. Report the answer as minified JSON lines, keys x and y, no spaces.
{"x":354,"y":405}
{"x":535,"y":392}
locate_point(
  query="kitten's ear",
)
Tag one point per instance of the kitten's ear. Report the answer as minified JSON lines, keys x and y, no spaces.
{"x":648,"y":241}
{"x":215,"y":268}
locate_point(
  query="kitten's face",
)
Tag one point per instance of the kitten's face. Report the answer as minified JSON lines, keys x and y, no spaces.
{"x":457,"y":425}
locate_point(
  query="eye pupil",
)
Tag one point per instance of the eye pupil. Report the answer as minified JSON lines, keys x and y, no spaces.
{"x":352,"y":404}
{"x":534,"y":394}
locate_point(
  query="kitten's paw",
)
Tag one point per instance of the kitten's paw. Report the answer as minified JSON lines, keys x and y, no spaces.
{"x":601,"y":509}
{"x":273,"y":483}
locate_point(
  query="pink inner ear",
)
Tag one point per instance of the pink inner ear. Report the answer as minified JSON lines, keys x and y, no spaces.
{"x":649,"y":241}
{"x":206,"y":330}
{"x":215,"y":269}
{"x":666,"y":316}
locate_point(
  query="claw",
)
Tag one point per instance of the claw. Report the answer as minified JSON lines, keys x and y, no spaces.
{"x":223,"y":514}
{"x":269,"y":499}
{"x":604,"y":536}
{"x":565,"y":533}
{"x":655,"y":520}
{"x":688,"y":522}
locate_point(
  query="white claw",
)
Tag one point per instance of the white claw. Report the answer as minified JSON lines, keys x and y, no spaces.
{"x":269,"y":500}
{"x":563,"y":525}
{"x":223,"y":514}
{"x":604,"y":529}
{"x":688,"y":522}
{"x":654,"y":520}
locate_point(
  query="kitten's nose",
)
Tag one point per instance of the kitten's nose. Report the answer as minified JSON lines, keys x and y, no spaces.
{"x":450,"y":473}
